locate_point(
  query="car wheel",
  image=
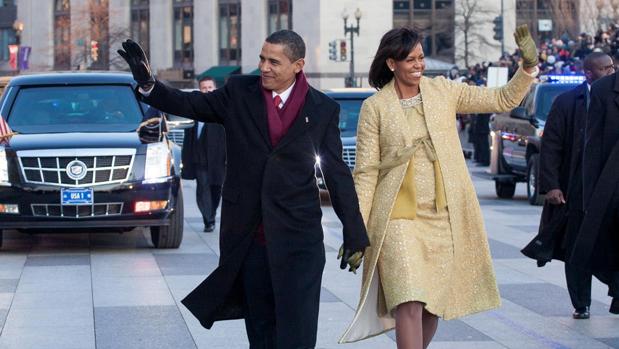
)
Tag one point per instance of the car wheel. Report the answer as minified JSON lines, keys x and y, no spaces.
{"x":535,"y":198}
{"x":170,"y":236}
{"x":505,"y":190}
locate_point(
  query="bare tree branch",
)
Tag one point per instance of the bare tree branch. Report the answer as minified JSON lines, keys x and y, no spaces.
{"x":470,"y":15}
{"x":90,"y":22}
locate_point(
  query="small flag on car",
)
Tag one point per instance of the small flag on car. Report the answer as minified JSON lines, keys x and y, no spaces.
{"x":5,"y":131}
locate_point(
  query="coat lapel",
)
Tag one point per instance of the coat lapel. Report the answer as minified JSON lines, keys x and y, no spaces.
{"x":429,"y":104}
{"x":616,"y":88}
{"x":258,"y":111}
{"x":390,"y":97}
{"x":305,"y":119}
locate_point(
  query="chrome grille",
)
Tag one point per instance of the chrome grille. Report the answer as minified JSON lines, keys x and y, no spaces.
{"x":103,"y":166}
{"x":177,"y":136}
{"x":349,"y":154}
{"x":77,"y":211}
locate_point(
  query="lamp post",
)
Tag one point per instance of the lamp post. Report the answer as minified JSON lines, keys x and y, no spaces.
{"x":18,"y":26}
{"x":352,"y":29}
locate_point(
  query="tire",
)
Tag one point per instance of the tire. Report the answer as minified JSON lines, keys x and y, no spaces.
{"x":1,"y":237}
{"x":505,"y":190}
{"x":170,"y":236}
{"x":535,"y":198}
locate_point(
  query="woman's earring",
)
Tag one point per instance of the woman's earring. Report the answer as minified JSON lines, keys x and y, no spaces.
{"x":392,"y":69}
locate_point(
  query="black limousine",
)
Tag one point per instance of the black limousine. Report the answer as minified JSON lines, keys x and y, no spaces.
{"x":84,"y":156}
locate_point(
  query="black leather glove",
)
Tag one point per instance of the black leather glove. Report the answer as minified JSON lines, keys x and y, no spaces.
{"x":351,"y":257}
{"x":138,"y":63}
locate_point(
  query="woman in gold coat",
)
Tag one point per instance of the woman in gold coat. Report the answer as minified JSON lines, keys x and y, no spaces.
{"x":429,"y":254}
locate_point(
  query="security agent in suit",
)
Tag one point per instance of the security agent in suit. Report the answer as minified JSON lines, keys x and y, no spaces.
{"x":561,"y":180}
{"x":272,"y":252}
{"x":204,"y":159}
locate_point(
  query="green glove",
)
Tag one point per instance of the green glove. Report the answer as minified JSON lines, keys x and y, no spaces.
{"x":527,"y":46}
{"x":350,"y":257}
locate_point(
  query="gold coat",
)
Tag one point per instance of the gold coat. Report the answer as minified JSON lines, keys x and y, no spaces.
{"x":382,"y":131}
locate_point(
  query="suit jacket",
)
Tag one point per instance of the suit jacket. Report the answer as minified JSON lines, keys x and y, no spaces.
{"x":597,"y":244}
{"x":275,"y":186}
{"x":207,"y":150}
{"x":381,"y":134}
{"x":560,"y":168}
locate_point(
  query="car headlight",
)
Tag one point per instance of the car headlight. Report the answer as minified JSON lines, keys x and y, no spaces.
{"x":4,"y":167}
{"x":158,"y":162}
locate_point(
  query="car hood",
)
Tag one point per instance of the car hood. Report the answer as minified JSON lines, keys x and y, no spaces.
{"x":347,"y":141}
{"x":74,"y":140}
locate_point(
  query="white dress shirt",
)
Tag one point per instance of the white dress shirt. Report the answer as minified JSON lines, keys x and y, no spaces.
{"x":284,"y":95}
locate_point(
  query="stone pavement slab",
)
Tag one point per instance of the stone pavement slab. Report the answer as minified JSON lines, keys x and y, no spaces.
{"x":109,"y":290}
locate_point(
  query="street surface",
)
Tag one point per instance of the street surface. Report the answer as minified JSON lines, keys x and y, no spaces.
{"x":114,"y":291}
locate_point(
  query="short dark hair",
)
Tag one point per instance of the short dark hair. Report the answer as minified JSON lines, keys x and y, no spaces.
{"x":206,"y":78}
{"x":395,"y":44}
{"x":592,"y":57}
{"x":294,"y":47}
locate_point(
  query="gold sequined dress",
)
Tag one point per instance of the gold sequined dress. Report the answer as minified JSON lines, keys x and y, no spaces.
{"x":417,"y":253}
{"x":384,"y":140}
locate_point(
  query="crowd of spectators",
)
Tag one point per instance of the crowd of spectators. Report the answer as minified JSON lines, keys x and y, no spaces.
{"x":562,"y":55}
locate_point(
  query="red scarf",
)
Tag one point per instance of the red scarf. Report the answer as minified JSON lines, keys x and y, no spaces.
{"x":280,"y":120}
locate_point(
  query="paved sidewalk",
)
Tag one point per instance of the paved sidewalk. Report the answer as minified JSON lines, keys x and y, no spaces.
{"x":114,"y":291}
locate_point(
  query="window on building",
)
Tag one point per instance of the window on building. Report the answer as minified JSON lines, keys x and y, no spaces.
{"x":62,"y":35}
{"x":140,"y":24}
{"x":183,"y":34}
{"x":230,"y":32}
{"x":563,"y":15}
{"x":435,"y":19}
{"x":100,"y":33}
{"x":7,"y":37}
{"x":280,"y":15}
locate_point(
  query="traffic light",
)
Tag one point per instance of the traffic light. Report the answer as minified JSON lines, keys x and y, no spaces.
{"x":498,"y":28}
{"x":94,"y":50}
{"x":343,"y":50}
{"x":332,"y":50}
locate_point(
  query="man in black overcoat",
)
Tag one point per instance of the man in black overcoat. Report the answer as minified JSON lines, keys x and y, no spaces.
{"x":271,"y":240}
{"x":204,"y":159}
{"x":597,"y":245}
{"x":561,"y":181}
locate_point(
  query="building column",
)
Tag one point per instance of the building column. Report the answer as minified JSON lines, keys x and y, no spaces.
{"x":80,"y":34}
{"x":205,"y":35}
{"x":119,"y":29}
{"x":161,"y":21}
{"x":320,"y":22}
{"x":253,"y":32}
{"x":38,"y":19}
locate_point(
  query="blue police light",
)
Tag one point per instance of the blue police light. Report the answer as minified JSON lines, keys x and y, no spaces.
{"x":563,"y":79}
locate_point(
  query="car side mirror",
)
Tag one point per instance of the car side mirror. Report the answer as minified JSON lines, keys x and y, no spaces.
{"x":519,"y":113}
{"x":151,"y":130}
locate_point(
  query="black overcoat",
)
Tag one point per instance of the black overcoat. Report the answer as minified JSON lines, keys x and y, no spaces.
{"x":597,"y":245}
{"x":560,"y":168}
{"x":207,"y":149}
{"x":275,"y":186}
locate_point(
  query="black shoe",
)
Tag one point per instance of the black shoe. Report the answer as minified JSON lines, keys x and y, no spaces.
{"x":581,"y":313}
{"x":209,"y":228}
{"x":614,"y":306}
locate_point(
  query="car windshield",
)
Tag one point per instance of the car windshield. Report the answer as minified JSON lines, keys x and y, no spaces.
{"x":547,"y":95}
{"x":349,"y":116}
{"x":88,"y":108}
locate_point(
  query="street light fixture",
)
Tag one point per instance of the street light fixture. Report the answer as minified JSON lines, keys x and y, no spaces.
{"x":18,"y":26}
{"x":352,"y":29}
